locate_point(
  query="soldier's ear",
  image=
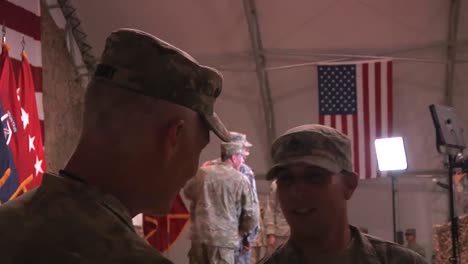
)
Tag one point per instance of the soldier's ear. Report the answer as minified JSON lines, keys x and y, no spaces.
{"x":173,"y":134}
{"x":350,"y":180}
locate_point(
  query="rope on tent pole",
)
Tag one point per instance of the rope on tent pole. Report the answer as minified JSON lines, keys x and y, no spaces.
{"x":74,"y":25}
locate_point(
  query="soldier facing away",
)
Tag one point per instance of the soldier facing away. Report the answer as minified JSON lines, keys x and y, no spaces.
{"x":223,"y":208}
{"x":148,"y":107}
{"x":244,"y":252}
{"x":315,"y":178}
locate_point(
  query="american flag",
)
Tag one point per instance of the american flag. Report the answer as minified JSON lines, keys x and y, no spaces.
{"x":357,"y":100}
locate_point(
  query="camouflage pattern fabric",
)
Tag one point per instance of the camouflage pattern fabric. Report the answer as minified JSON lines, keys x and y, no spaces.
{"x":239,"y":137}
{"x":232,"y":148}
{"x":223,"y":206}
{"x":142,"y":63}
{"x":417,"y":248}
{"x":365,"y":250}
{"x":260,"y":243}
{"x":205,"y":254}
{"x":275,"y":223}
{"x":66,"y":221}
{"x":243,"y":256}
{"x":315,"y":145}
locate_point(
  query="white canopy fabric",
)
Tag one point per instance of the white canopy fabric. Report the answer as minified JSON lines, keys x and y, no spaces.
{"x":216,"y":32}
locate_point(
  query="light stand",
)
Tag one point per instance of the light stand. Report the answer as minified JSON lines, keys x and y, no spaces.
{"x":453,"y":217}
{"x":391,"y":158}
{"x":394,"y":182}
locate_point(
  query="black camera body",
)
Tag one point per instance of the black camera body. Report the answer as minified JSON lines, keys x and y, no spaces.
{"x":461,"y":162}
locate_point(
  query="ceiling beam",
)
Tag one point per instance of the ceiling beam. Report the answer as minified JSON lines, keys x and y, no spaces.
{"x":451,"y":50}
{"x":260,"y":64}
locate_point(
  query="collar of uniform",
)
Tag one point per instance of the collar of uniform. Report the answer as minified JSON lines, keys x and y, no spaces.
{"x":227,"y":164}
{"x":117,"y":208}
{"x":366,"y":253}
{"x":109,"y":202}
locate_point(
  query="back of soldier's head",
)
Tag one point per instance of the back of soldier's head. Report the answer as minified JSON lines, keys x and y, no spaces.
{"x":149,"y":106}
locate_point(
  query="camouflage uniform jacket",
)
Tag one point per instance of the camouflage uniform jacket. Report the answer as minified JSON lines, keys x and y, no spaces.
{"x":368,"y":250}
{"x":248,"y":173}
{"x":417,"y":248}
{"x":223,"y":206}
{"x":67,"y":221}
{"x":275,"y":223}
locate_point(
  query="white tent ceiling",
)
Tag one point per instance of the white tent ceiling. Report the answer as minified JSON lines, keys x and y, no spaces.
{"x":216,"y":32}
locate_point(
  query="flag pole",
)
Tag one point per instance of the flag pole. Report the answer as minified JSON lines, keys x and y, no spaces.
{"x":23,"y":45}
{"x":3,"y":32}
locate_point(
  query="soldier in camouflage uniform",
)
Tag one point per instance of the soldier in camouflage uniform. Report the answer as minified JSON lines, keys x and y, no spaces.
{"x":315,"y":179}
{"x":148,"y":107}
{"x":243,"y":254}
{"x":259,"y":246}
{"x":276,"y":227}
{"x":223,"y":208}
{"x":410,"y":236}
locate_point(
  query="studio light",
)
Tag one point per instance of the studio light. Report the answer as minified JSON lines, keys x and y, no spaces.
{"x":391,"y":155}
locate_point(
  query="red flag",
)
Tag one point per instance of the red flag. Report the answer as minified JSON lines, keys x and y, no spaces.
{"x":33,"y":155}
{"x":23,"y":124}
{"x":11,"y":106}
{"x":162,"y":231}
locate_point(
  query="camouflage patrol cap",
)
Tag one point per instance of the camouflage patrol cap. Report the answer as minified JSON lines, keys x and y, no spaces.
{"x":142,"y":63}
{"x":410,"y":231}
{"x":232,"y":148}
{"x":313,"y":144}
{"x":241,"y":138}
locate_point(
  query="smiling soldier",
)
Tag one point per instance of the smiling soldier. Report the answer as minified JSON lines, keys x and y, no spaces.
{"x":315,"y":179}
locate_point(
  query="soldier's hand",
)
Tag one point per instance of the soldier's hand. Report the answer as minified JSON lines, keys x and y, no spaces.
{"x":246,"y":245}
{"x":271,"y":240}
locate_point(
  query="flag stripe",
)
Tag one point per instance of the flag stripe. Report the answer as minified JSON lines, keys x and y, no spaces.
{"x":383,"y":101}
{"x":360,"y":122}
{"x":372,"y":123}
{"x":328,"y":120}
{"x":378,"y":111}
{"x":32,"y":48}
{"x":31,"y":6}
{"x":365,"y":95}
{"x":333,"y":121}
{"x":321,"y":119}
{"x":357,"y":144}
{"x":378,"y":103}
{"x":341,"y":123}
{"x":350,"y":133}
{"x":20,"y":19}
{"x":390,"y":97}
